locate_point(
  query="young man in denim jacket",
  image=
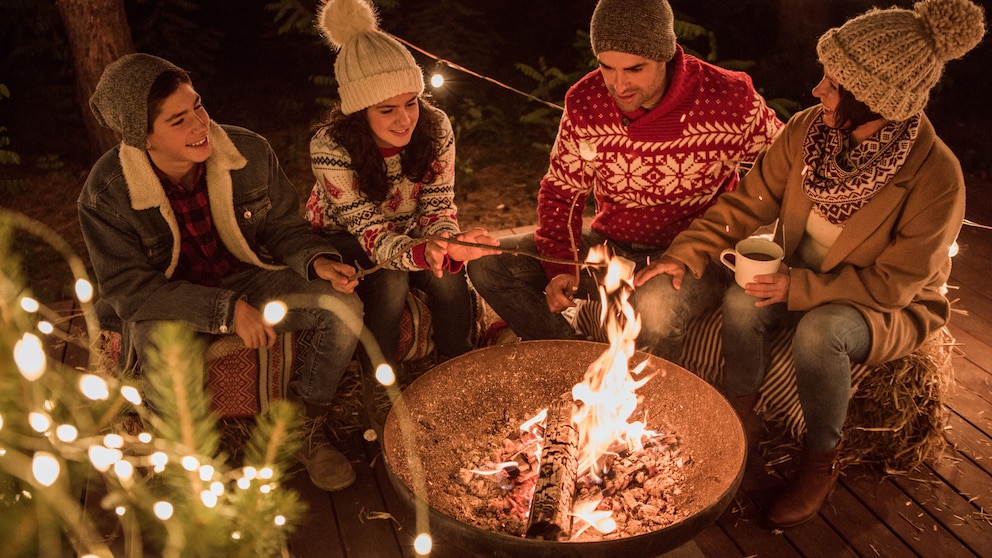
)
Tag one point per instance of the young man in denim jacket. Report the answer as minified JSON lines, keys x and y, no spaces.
{"x":190,"y":221}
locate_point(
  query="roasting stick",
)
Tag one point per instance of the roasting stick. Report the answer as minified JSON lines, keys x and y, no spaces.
{"x":514,"y":251}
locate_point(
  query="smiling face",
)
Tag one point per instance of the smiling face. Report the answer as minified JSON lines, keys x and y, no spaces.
{"x":178,"y":140}
{"x":634,"y":81}
{"x":393,"y":120}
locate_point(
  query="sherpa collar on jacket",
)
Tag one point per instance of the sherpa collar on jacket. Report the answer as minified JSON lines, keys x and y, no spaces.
{"x":146,"y":192}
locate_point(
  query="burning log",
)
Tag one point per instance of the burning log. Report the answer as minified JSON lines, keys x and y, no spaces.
{"x":551,"y":507}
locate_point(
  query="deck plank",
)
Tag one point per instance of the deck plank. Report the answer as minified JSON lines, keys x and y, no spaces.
{"x":861,"y":528}
{"x":954,"y":512}
{"x":317,"y":535}
{"x":914,"y":525}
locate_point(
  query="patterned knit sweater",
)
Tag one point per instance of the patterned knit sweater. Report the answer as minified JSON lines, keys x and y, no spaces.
{"x":651,"y":174}
{"x":411,"y":210}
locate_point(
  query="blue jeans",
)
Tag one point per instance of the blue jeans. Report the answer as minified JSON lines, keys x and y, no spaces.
{"x":514,"y":287}
{"x":333,"y":318}
{"x":827,"y":340}
{"x":384,"y":294}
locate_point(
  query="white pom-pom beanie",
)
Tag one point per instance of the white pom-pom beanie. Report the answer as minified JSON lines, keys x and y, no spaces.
{"x":371,"y":66}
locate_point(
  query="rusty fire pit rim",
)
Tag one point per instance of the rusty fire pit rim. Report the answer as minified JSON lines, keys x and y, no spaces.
{"x":660,"y":540}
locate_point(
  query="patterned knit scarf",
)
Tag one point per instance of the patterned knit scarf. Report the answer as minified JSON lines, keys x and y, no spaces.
{"x":840,"y":180}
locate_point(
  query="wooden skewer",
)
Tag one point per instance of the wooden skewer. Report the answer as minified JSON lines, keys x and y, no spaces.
{"x":514,"y":251}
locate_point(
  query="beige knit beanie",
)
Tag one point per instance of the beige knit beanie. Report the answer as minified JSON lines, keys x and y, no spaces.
{"x":640,"y":27}
{"x":890,"y":59}
{"x":371,"y":66}
{"x":120,"y":100}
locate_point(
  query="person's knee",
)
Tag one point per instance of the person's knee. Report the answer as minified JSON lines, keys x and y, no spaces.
{"x":825,"y":326}
{"x":662,"y":308}
{"x":485,"y":270}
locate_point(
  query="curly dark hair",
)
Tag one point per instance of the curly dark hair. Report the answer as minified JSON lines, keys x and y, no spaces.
{"x":850,"y":112}
{"x":352,"y":132}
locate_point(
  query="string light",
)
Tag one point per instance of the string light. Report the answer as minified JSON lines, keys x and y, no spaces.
{"x":84,"y":290}
{"x":437,"y":77}
{"x":385,"y":375}
{"x":132,"y":395}
{"x":162,"y":510}
{"x":94,"y":387}
{"x":450,"y":64}
{"x":29,"y":356}
{"x":274,"y":312}
{"x":423,"y":544}
{"x":67,"y":433}
{"x":113,"y":441}
{"x":39,"y":422}
{"x":45,"y":468}
{"x":103,"y":458}
{"x":29,"y":304}
{"x":190,"y":463}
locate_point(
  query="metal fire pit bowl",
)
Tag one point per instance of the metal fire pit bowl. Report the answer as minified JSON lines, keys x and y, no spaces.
{"x":441,"y":412}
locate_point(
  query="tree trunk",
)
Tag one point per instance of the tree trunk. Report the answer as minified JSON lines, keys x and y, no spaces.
{"x":98,"y":34}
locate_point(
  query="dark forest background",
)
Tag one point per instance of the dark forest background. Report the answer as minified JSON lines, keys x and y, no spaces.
{"x":260,"y":64}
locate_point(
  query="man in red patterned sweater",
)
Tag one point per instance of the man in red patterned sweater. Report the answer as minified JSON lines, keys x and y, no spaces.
{"x":655,"y":135}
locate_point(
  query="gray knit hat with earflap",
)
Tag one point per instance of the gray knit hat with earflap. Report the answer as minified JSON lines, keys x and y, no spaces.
{"x":120,"y":101}
{"x":371,"y":66}
{"x":890,"y":59}
{"x":640,"y":27}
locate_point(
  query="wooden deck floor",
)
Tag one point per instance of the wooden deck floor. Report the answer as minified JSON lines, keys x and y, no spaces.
{"x":942,"y":509}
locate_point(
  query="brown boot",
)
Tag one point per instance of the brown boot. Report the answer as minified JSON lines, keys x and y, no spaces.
{"x":808,"y":489}
{"x":752,"y":423}
{"x":329,"y":469}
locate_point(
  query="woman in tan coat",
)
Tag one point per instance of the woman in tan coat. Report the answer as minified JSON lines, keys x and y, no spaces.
{"x":868,"y":201}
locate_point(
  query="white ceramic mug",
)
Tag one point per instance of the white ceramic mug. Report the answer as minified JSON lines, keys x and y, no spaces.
{"x":752,"y":256}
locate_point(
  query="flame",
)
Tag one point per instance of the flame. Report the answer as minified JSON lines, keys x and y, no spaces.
{"x":606,"y":396}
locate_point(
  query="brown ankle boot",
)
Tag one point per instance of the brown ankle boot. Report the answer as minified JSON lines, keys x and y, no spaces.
{"x":752,"y":423}
{"x":329,"y":469}
{"x":808,"y":489}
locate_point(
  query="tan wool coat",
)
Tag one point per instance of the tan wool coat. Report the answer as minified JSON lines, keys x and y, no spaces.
{"x":891,"y":261}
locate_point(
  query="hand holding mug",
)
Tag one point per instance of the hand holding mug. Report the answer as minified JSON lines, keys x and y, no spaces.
{"x":752,"y":256}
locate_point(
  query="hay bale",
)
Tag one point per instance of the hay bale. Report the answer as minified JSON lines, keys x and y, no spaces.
{"x":897,"y":414}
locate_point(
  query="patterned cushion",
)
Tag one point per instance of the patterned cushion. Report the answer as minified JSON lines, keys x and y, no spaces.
{"x":243,"y":381}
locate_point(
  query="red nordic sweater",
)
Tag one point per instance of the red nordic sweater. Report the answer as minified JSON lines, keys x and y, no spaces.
{"x":651,"y":175}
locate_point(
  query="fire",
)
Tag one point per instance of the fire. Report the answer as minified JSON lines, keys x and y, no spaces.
{"x":607,"y":395}
{"x":588,"y":460}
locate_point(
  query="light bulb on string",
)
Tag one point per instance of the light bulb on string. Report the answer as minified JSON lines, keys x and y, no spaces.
{"x":30,"y":357}
{"x":29,"y":304}
{"x":437,"y":76}
{"x":84,"y":290}
{"x":274,"y":312}
{"x":45,"y":468}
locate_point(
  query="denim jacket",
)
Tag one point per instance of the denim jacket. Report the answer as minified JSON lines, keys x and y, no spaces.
{"x":132,"y":234}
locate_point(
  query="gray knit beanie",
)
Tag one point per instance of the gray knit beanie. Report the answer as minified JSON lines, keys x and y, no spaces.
{"x":890,"y":59}
{"x":640,"y":27}
{"x":120,"y":101}
{"x":371,"y":66}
